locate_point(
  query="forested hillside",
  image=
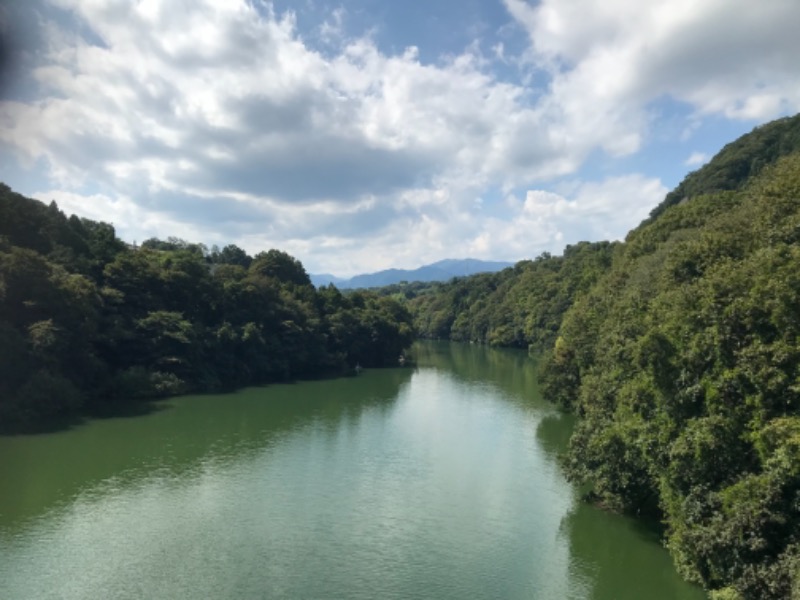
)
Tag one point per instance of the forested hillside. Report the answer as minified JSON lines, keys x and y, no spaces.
{"x":683,"y":364}
{"x":520,"y":306}
{"x":87,"y":322}
{"x":738,"y":161}
{"x":680,"y":352}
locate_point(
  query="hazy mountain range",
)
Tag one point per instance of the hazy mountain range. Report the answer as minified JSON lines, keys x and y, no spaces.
{"x":443,"y":270}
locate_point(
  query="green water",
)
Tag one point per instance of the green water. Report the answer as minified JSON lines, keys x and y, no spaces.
{"x":437,"y":482}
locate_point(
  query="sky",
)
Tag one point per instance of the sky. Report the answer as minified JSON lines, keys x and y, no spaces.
{"x":359,"y":135}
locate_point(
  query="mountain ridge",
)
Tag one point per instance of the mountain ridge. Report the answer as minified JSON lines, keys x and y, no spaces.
{"x":441,"y":270}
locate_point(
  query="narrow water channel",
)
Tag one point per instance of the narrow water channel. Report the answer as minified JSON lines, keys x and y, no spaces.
{"x":435,"y":482}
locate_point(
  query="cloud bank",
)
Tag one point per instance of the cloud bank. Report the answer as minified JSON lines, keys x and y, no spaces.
{"x":222,"y":122}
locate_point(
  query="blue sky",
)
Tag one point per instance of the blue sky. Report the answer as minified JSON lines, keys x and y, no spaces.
{"x":365,"y":134}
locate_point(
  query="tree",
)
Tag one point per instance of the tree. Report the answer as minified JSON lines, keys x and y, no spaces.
{"x":281,"y":266}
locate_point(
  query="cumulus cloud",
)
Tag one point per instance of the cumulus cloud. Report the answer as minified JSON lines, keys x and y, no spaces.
{"x":583,"y":211}
{"x":611,"y":60}
{"x":542,"y":221}
{"x":220,"y":122}
{"x":220,"y":115}
{"x":138,"y":223}
{"x":226,"y":97}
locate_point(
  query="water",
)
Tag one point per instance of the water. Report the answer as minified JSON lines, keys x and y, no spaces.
{"x":440,"y":482}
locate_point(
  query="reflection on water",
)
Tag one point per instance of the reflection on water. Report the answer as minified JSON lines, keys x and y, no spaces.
{"x":435,"y":482}
{"x":553,"y":433}
{"x":512,"y":371}
{"x":620,"y":557}
{"x":181,"y":436}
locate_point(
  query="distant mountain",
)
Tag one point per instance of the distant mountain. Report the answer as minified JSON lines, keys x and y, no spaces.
{"x":443,"y":270}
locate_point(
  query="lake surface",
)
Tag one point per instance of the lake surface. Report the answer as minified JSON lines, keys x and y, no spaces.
{"x":436,"y":482}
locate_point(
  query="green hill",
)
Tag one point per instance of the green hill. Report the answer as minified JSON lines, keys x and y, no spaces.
{"x":680,"y":352}
{"x":684,"y":364}
{"x":738,"y":162}
{"x":88,"y":323}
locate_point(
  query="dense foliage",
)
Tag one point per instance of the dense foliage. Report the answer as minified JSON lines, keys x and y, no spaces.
{"x":680,"y":352}
{"x":520,"y":306}
{"x":684,"y":364}
{"x":87,"y":322}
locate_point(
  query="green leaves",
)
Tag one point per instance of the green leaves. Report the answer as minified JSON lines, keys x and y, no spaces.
{"x":86,"y":320}
{"x":680,"y":350}
{"x":684,"y":361}
{"x":519,"y":307}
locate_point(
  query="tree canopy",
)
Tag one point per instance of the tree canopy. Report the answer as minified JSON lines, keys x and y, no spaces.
{"x":88,"y":322}
{"x":684,"y":364}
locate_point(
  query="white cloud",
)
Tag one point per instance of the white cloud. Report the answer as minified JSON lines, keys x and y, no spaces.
{"x":212,"y":118}
{"x":696,"y":159}
{"x":228,"y":98}
{"x":332,"y":30}
{"x":544,"y":221}
{"x":132,"y":222}
{"x":587,"y":211}
{"x":611,"y":60}
{"x":218,"y":122}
